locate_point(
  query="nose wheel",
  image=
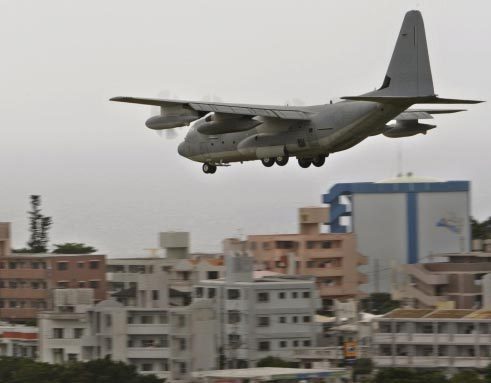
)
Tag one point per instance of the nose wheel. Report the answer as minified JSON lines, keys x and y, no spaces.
{"x":209,"y":168}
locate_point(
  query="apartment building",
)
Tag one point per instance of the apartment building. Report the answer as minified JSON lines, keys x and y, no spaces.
{"x":259,"y":317}
{"x":331,"y":258}
{"x":429,"y":338}
{"x":151,"y":335}
{"x":18,"y":340}
{"x":27,"y":280}
{"x":450,"y":280}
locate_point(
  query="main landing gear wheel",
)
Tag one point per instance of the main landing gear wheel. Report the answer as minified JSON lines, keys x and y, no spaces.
{"x":209,"y":168}
{"x":282,"y":160}
{"x":318,"y":161}
{"x":304,"y":162}
{"x":268,"y":161}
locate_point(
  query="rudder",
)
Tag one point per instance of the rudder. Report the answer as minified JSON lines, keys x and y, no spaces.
{"x":409,"y":72}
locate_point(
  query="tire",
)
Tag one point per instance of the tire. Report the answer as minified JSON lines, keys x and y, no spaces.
{"x":304,"y":162}
{"x":268,"y":161}
{"x":282,"y":161}
{"x":209,"y":168}
{"x":318,"y":161}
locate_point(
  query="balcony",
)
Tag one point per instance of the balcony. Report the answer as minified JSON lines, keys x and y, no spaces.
{"x":23,"y":293}
{"x":332,"y":271}
{"x":147,"y":352}
{"x":18,"y":313}
{"x":24,"y":273}
{"x":147,"y":329}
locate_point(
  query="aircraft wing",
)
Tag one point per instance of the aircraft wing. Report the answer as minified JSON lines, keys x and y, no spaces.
{"x":282,"y":112}
{"x":421,"y":114}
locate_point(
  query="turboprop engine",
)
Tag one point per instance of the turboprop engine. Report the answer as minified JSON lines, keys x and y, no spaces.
{"x":406,"y":128}
{"x":168,"y":122}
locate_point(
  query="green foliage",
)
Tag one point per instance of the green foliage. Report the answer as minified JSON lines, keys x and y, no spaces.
{"x":73,"y":248}
{"x":481,"y":230}
{"x":272,"y":361}
{"x":38,"y":226}
{"x":379,"y":303}
{"x":466,"y":376}
{"x":407,"y":375}
{"x":22,"y":370}
{"x":23,"y":250}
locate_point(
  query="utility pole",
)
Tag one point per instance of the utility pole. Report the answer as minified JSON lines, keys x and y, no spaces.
{"x":376,"y":275}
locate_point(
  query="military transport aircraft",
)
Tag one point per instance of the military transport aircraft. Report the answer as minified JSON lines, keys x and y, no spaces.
{"x":221,"y":133}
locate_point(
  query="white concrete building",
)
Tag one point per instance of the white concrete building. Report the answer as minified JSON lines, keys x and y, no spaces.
{"x":256,"y":318}
{"x":430,"y":338}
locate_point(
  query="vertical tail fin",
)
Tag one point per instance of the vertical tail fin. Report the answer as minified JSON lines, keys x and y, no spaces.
{"x":409,"y":73}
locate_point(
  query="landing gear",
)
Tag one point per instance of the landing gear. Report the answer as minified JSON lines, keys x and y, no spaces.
{"x":282,"y":161}
{"x":209,"y":168}
{"x":318,"y":161}
{"x":268,"y":161}
{"x":304,"y":162}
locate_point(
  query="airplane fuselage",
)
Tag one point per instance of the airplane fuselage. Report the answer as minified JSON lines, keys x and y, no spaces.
{"x":332,"y":128}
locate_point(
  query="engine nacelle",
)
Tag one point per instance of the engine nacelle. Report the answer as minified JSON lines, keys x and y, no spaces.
{"x":406,"y":128}
{"x":169,"y":122}
{"x":219,"y":124}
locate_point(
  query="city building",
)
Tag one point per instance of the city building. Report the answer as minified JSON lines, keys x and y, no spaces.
{"x":332,"y":258}
{"x":151,"y":335}
{"x":18,"y":340}
{"x":27,"y":280}
{"x":426,"y":338}
{"x":453,"y":281}
{"x":259,"y":317}
{"x":401,"y":221}
{"x":181,"y":269}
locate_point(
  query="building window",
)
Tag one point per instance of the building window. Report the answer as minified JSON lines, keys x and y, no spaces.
{"x":199,"y":292}
{"x":310,"y":244}
{"x":182,"y":368}
{"x":72,"y":357}
{"x":155,"y":295}
{"x":233,"y":316}
{"x":295,"y":343}
{"x":233,"y":294}
{"x":263,"y":297}
{"x":62,"y":284}
{"x":252,"y":245}
{"x":294,"y":295}
{"x":109,"y":320}
{"x":306,"y":294}
{"x":147,"y":367}
{"x":163,"y":318}
{"x":283,"y":343}
{"x":306,"y":343}
{"x":94,"y":284}
{"x":212,"y":293}
{"x":266,"y":245}
{"x":264,"y":346}
{"x":94,"y":264}
{"x":326,"y":244}
{"x":212,"y":275}
{"x":58,"y":333}
{"x":295,"y":319}
{"x":78,"y":333}
{"x":13,"y":284}
{"x":146,"y":319}
{"x":80,"y":265}
{"x":306,"y":319}
{"x":282,"y":319}
{"x":62,"y":266}
{"x":263,"y":321}
{"x":81,"y":284}
{"x":182,"y":344}
{"x":281,"y":295}
{"x":234,"y":340}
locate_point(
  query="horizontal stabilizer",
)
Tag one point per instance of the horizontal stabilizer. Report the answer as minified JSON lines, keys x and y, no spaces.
{"x":410,"y":100}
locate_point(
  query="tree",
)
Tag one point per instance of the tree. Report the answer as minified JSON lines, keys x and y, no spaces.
{"x":481,"y":230}
{"x":74,"y":248}
{"x":362,"y":366}
{"x":38,"y":226}
{"x":466,"y":376}
{"x":273,"y":361}
{"x":379,"y":303}
{"x":23,"y":370}
{"x":407,"y":375}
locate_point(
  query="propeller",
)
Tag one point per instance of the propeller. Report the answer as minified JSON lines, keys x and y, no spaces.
{"x":170,"y":134}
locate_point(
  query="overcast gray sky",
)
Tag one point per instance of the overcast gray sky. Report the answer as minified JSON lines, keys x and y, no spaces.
{"x":108,"y":181}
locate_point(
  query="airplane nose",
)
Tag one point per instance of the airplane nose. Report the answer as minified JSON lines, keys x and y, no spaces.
{"x":183,"y":149}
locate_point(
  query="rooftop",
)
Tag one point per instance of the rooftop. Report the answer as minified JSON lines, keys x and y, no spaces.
{"x":438,"y":314}
{"x":271,"y":373}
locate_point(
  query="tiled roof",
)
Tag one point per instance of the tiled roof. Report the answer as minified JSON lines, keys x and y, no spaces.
{"x":449,"y":314}
{"x":407,"y":313}
{"x":480,"y":314}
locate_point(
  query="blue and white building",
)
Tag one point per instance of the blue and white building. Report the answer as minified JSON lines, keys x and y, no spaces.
{"x":401,"y":220}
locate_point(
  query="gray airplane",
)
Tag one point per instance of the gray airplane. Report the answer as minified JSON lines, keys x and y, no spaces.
{"x":221,"y":133}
